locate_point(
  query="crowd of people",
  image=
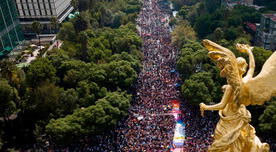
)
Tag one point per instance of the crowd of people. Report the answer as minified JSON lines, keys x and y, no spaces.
{"x":149,"y":126}
{"x":199,"y":129}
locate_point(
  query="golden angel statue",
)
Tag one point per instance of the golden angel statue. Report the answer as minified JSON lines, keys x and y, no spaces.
{"x":233,"y":132}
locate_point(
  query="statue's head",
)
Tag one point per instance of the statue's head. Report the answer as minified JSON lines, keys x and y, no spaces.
{"x":242,"y":65}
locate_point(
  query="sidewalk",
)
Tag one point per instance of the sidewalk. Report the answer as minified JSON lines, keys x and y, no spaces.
{"x":56,"y":44}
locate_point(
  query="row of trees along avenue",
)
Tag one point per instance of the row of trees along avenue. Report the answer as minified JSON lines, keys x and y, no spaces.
{"x":81,"y":89}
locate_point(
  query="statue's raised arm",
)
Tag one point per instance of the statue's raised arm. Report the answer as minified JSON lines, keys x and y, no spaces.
{"x":248,"y":50}
{"x":257,"y":90}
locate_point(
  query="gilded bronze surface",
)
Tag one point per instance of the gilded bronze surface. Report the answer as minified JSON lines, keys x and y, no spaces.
{"x":233,"y":132}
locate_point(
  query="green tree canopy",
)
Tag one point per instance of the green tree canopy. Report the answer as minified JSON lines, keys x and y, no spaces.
{"x":183,"y":33}
{"x":67,"y":32}
{"x":124,"y":56}
{"x":260,"y":55}
{"x":39,"y":71}
{"x":8,"y":96}
{"x":191,"y":59}
{"x":90,"y":120}
{"x":199,"y":88}
{"x":120,"y":74}
{"x":43,"y":101}
{"x":268,"y":119}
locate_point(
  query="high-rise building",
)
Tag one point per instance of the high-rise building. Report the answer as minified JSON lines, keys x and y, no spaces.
{"x":42,"y":11}
{"x":266,"y":32}
{"x":10,"y":32}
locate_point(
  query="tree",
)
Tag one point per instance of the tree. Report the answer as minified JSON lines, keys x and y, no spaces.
{"x":9,"y":71}
{"x":91,"y":120}
{"x":43,"y":101}
{"x":71,"y":49}
{"x":75,"y":4}
{"x":185,"y":66}
{"x":261,"y":55}
{"x":120,"y":74}
{"x":8,"y":96}
{"x":67,"y":32}
{"x":117,"y":22}
{"x":191,"y":59}
{"x":203,"y":25}
{"x":232,"y":33}
{"x":39,"y":71}
{"x":178,"y":3}
{"x":212,"y":5}
{"x":37,"y":27}
{"x":97,"y":51}
{"x":89,"y":92}
{"x":184,"y":11}
{"x":183,"y":33}
{"x":68,"y":102}
{"x":80,"y":22}
{"x":199,"y":88}
{"x":135,"y":63}
{"x":97,"y":74}
{"x":84,"y":36}
{"x":54,"y":24}
{"x":71,"y":72}
{"x":242,"y":40}
{"x":123,"y":39}
{"x":234,"y":21}
{"x":217,"y":35}
{"x":71,"y":85}
{"x":105,"y":16}
{"x":57,"y":57}
{"x":268,"y":119}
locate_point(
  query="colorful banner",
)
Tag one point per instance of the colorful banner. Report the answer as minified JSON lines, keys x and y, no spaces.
{"x":179,"y":132}
{"x":179,"y":135}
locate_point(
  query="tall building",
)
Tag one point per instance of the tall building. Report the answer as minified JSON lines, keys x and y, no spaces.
{"x":42,"y":11}
{"x":266,"y":32}
{"x":10,"y":32}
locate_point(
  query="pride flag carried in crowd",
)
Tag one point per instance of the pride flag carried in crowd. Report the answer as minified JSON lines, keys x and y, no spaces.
{"x":179,"y":132}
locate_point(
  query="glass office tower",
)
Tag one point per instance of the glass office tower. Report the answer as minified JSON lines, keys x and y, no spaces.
{"x":10,"y":32}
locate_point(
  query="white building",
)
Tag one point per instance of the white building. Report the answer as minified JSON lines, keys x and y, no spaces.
{"x":42,"y":11}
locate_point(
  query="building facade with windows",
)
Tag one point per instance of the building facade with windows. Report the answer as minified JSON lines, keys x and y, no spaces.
{"x":266,"y":32}
{"x":42,"y":11}
{"x":10,"y":32}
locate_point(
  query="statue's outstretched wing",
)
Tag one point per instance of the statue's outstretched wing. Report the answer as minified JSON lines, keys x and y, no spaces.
{"x":227,"y":63}
{"x":262,"y":87}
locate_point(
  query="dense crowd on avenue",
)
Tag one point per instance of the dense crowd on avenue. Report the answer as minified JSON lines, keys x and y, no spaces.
{"x":199,"y":129}
{"x":149,"y":126}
